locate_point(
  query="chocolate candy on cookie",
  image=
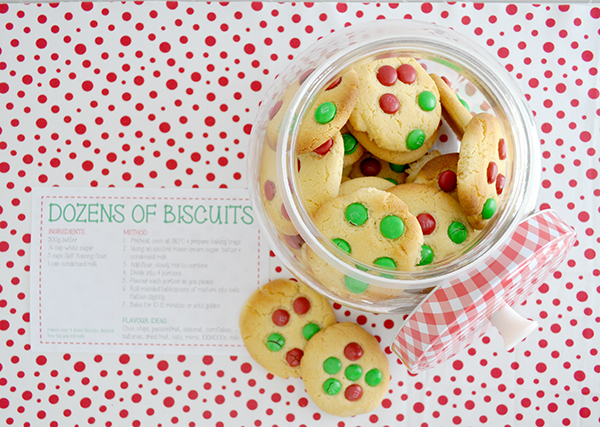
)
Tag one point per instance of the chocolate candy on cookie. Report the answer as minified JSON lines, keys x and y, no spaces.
{"x":344,"y":370}
{"x":446,"y":230}
{"x":320,"y":172}
{"x":481,"y":169}
{"x":277,"y":322}
{"x":398,"y":110}
{"x":440,"y":173}
{"x":371,"y":166}
{"x":455,"y":111}
{"x":353,"y":151}
{"x":376,"y":229}
{"x":395,"y":157}
{"x":329,"y":113}
{"x":271,"y":193}
{"x":373,"y":226}
{"x":276,"y":114}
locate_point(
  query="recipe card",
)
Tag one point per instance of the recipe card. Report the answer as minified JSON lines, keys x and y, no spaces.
{"x":143,"y":270}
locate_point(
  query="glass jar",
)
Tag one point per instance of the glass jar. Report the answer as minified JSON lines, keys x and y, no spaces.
{"x":273,"y":165}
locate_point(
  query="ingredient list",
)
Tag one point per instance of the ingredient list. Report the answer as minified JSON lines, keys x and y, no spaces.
{"x":142,"y":268}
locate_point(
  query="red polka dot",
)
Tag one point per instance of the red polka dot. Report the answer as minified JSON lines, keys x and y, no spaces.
{"x":503,"y":52}
{"x":587,"y":56}
{"x":165,"y":47}
{"x":589,"y":253}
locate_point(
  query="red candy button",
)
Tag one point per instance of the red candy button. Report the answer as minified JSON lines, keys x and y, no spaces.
{"x":353,"y":392}
{"x":294,"y":356}
{"x":427,"y":223}
{"x":500,"y":181}
{"x":275,"y":109}
{"x":502,"y":149}
{"x":280,"y":317}
{"x":324,"y":148}
{"x":305,"y":75}
{"x":269,"y":190}
{"x":334,"y":84}
{"x":294,"y":242}
{"x":301,"y":305}
{"x":492,"y":172}
{"x":370,"y":167}
{"x":407,"y":73}
{"x":298,"y":165}
{"x":447,"y":181}
{"x":353,"y":351}
{"x":389,"y":103}
{"x":387,"y":75}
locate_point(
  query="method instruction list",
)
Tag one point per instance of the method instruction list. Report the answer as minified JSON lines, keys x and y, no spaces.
{"x":133,"y":269}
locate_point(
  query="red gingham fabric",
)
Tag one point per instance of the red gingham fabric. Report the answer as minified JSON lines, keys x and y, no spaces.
{"x":458,"y":312}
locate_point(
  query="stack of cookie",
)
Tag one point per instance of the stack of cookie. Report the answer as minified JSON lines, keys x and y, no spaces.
{"x":371,"y":181}
{"x":291,"y":331}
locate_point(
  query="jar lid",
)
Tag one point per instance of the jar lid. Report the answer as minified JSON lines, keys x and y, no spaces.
{"x":458,"y":312}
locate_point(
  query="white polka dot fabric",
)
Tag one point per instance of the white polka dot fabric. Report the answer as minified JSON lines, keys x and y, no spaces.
{"x":164,"y":94}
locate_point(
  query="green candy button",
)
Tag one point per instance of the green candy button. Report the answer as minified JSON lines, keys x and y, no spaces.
{"x":354,"y":285}
{"x":457,"y":232}
{"x":489,"y":208}
{"x":427,"y":101}
{"x":463,"y":102}
{"x":350,"y":143}
{"x":373,"y":377}
{"x":343,"y":245}
{"x":309,"y":330}
{"x":392,"y":180}
{"x":415,"y":139}
{"x":392,"y":227}
{"x":398,"y":168}
{"x":353,"y":372}
{"x":325,"y":112}
{"x":356,"y":214}
{"x":385,"y":262}
{"x":332,"y":365}
{"x":332,"y":386}
{"x":275,"y":342}
{"x":426,"y":255}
